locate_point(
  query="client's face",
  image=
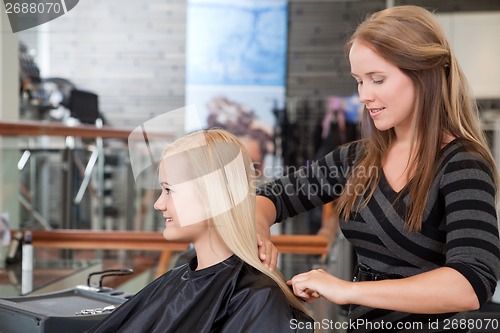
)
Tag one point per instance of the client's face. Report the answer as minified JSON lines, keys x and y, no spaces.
{"x":185,"y":216}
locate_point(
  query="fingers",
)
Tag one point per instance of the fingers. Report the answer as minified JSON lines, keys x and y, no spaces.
{"x":268,"y":253}
{"x":307,"y":294}
{"x":274,"y":257}
{"x":303,"y":286}
{"x":302,"y":293}
{"x":262,"y":249}
{"x":313,"y":293}
{"x":259,"y":240}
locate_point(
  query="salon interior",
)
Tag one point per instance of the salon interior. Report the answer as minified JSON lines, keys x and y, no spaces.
{"x":76,"y":87}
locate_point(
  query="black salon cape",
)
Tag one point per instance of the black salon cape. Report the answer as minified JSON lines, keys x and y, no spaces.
{"x":228,"y":297}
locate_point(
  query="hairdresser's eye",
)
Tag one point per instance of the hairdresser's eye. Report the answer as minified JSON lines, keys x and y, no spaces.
{"x":166,"y":190}
{"x":378,"y":81}
{"x":357,"y":79}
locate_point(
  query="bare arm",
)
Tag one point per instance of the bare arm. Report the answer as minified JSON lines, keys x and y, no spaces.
{"x":438,"y":291}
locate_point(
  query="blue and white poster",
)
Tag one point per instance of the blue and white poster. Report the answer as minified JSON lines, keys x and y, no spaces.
{"x":236,"y":67}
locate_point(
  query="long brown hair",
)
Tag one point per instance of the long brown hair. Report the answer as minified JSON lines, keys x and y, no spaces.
{"x":411,"y":38}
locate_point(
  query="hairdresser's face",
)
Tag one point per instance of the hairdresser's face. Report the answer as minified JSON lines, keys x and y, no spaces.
{"x":184,"y":215}
{"x":387,"y":93}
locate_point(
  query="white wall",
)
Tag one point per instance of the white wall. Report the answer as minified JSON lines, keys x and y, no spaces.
{"x":475,"y":38}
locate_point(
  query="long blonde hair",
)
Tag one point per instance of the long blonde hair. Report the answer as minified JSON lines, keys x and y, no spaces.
{"x":411,"y":38}
{"x":222,"y":188}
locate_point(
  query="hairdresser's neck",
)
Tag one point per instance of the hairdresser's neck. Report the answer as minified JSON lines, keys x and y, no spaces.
{"x":210,"y":251}
{"x":404,"y":135}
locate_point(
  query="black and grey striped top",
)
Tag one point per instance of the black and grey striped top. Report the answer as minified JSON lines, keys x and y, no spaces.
{"x":460,"y":229}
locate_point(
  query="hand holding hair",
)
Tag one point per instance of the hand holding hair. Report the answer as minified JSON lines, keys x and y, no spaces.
{"x":317,"y":283}
{"x":265,"y":216}
{"x":268,"y":253}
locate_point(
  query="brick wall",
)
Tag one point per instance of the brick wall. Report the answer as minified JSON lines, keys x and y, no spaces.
{"x":131,"y":53}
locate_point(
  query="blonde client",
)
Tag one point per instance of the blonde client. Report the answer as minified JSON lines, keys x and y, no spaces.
{"x":208,"y":198}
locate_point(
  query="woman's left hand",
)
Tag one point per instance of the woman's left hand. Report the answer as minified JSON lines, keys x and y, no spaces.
{"x":318,"y":283}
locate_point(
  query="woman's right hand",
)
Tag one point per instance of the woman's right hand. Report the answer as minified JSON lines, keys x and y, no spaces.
{"x":265,"y":216}
{"x":317,"y":283}
{"x":268,"y":253}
